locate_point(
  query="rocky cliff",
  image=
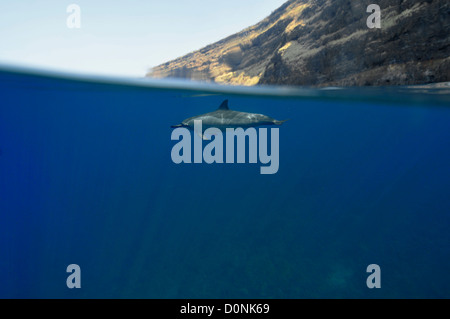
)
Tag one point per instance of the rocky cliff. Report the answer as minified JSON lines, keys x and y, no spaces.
{"x":328,"y":43}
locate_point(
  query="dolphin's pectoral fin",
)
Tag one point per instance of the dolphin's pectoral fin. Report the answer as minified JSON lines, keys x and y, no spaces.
{"x":206,"y":137}
{"x":202,"y":136}
{"x":209,"y":135}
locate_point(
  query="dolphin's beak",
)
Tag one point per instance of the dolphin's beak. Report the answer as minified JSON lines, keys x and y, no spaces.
{"x":279,"y":122}
{"x":175,"y":126}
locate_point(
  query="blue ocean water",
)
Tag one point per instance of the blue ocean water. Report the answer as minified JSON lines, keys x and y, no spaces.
{"x":86,"y":178}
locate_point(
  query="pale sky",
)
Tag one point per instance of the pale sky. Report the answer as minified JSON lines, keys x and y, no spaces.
{"x":119,"y":37}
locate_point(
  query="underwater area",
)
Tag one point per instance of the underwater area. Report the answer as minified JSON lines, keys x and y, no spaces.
{"x":86,"y":178}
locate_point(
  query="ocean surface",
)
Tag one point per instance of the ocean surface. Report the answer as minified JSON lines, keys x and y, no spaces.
{"x":86,"y":178}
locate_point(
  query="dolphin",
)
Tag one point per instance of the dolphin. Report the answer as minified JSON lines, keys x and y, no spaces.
{"x":223,"y":118}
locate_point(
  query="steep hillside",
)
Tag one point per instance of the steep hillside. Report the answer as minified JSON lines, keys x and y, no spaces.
{"x":327,"y":42}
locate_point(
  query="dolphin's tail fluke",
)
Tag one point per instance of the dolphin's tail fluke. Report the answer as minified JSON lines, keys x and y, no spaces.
{"x":279,"y":122}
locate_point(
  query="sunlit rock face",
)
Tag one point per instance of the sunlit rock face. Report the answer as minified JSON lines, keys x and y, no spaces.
{"x":328,"y":42}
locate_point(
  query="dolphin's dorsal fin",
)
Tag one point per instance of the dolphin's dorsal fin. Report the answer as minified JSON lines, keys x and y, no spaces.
{"x":224,"y":106}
